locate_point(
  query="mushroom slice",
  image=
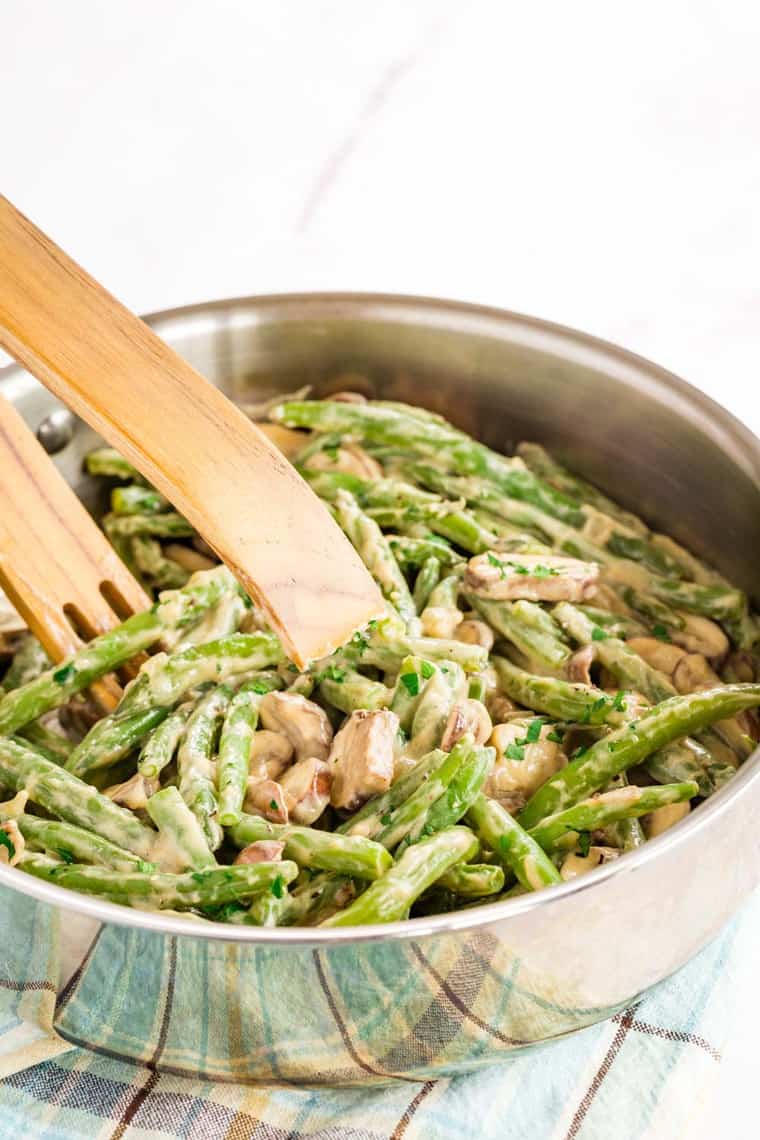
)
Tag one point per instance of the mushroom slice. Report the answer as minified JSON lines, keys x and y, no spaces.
{"x":307,"y":789}
{"x":500,"y":708}
{"x":574,"y":865}
{"x":262,"y":851}
{"x":13,"y":845}
{"x":266,"y":798}
{"x":665,"y":817}
{"x":285,"y":439}
{"x":692,"y":672}
{"x":660,"y":655}
{"x":440,"y":621}
{"x":579,"y":665}
{"x":304,"y":723}
{"x":701,"y":635}
{"x":362,"y":757}
{"x":271,"y":752}
{"x":475,"y":632}
{"x":532,"y":577}
{"x":466,"y":716}
{"x":521,"y":767}
{"x":349,"y":458}
{"x":134,"y":793}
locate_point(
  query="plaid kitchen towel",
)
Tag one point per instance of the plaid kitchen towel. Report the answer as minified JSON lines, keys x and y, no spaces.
{"x":79,"y":1060}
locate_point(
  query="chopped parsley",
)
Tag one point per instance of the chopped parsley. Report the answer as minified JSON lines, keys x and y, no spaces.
{"x":411,"y":683}
{"x":545,"y":572}
{"x":273,"y":805}
{"x":580,"y":751}
{"x":599,"y":634}
{"x":65,"y":854}
{"x":618,"y":704}
{"x":661,"y":633}
{"x":515,"y":751}
{"x":64,"y":673}
{"x":584,"y":843}
{"x":427,"y":670}
{"x":331,"y":451}
{"x":260,"y":686}
{"x":386,"y":819}
{"x":555,"y":736}
{"x":277,"y":887}
{"x":7,"y":843}
{"x":359,"y":641}
{"x":534,"y":730}
{"x":333,"y":673}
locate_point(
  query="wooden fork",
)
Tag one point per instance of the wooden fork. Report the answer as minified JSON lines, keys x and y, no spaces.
{"x":187,"y":439}
{"x":58,"y":569}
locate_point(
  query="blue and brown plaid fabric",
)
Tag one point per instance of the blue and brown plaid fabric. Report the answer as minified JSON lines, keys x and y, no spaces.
{"x":129,"y":1046}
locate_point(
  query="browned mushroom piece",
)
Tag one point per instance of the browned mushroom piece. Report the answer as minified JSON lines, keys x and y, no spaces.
{"x":742,"y":666}
{"x":521,"y":767}
{"x":661,"y":655}
{"x":692,"y":672}
{"x":701,"y":635}
{"x":475,"y":632}
{"x":11,"y":829}
{"x":349,"y":397}
{"x":307,"y":790}
{"x":304,"y":723}
{"x":134,"y":793}
{"x":271,"y":752}
{"x":575,"y":864}
{"x":500,"y":708}
{"x":579,"y":665}
{"x":266,"y":798}
{"x":466,"y":717}
{"x":440,"y":621}
{"x":349,"y":458}
{"x":262,"y":851}
{"x":362,"y":757}
{"x":532,"y":577}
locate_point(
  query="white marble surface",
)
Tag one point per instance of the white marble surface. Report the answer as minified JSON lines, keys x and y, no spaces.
{"x":593,"y":163}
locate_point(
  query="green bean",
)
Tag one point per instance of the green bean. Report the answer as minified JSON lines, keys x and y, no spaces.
{"x":328,"y":851}
{"x":348,"y":690}
{"x":180,"y":833}
{"x":367,"y":821}
{"x":608,"y":807}
{"x":473,"y":880}
{"x":106,"y":461}
{"x":513,"y":846}
{"x":151,"y":561}
{"x":29,"y":661}
{"x":238,"y":729}
{"x":174,"y":610}
{"x":427,"y":578}
{"x":374,"y":550}
{"x":389,"y":898}
{"x":546,"y":466}
{"x":409,"y":819}
{"x":160,"y":891}
{"x":137,"y":500}
{"x":530,"y":628}
{"x":169,"y":525}
{"x":672,"y":719}
{"x":194,"y":761}
{"x":74,"y":844}
{"x":113,"y":738}
{"x":158,"y":750}
{"x":71,"y":799}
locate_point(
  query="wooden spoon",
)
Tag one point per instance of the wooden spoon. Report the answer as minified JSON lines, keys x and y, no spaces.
{"x":58,"y":569}
{"x":187,"y":439}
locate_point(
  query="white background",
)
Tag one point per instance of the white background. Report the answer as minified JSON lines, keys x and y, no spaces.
{"x":594,"y":163}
